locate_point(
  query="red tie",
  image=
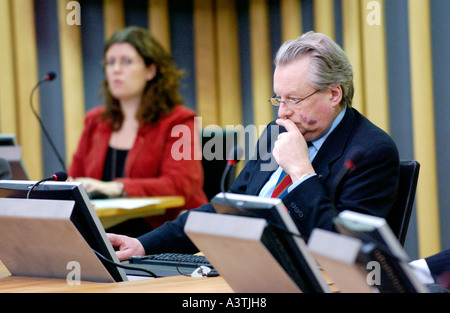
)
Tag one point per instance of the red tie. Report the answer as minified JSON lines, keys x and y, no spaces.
{"x":282,"y":185}
{"x":284,"y":182}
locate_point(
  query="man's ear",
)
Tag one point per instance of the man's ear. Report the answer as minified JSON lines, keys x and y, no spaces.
{"x":335,"y":95}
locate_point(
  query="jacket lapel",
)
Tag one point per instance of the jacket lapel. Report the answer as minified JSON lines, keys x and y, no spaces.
{"x":334,"y":146}
{"x":133,"y":153}
{"x":265,"y":164}
{"x":102,"y":137}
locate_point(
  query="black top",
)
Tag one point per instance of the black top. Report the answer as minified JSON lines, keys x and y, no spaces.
{"x":114,"y":164}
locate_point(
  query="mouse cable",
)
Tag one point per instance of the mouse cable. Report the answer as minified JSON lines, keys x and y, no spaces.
{"x":125,"y":266}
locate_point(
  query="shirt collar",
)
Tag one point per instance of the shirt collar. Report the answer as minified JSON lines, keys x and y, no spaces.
{"x":317,"y":143}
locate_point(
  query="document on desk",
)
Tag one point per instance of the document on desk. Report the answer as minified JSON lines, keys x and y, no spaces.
{"x":124,"y":203}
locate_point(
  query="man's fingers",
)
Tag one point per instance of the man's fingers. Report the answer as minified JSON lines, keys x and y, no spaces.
{"x":114,"y":239}
{"x":121,"y":255}
{"x":288,"y":124}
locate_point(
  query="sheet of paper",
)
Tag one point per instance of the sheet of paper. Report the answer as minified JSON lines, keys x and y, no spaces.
{"x":123,"y":203}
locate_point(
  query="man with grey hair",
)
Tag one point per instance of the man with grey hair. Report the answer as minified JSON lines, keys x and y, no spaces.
{"x":318,"y":134}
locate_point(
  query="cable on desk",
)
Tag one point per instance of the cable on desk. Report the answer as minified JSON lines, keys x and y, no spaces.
{"x":211,"y":273}
{"x":125,"y":266}
{"x":180,"y":272}
{"x":173,"y":259}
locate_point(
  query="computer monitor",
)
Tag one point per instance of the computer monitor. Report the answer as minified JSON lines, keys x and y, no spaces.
{"x":83,"y":215}
{"x":381,"y":246}
{"x":282,"y":238}
{"x":8,"y":140}
{"x":12,"y":152}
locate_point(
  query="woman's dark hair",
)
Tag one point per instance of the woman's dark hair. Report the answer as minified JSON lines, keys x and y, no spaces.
{"x":161,"y":94}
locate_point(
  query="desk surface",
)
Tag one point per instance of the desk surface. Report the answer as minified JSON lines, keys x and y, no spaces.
{"x":115,"y":211}
{"x":173,"y":284}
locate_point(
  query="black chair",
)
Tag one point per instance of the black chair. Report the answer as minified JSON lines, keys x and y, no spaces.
{"x":399,"y":216}
{"x":214,"y":168}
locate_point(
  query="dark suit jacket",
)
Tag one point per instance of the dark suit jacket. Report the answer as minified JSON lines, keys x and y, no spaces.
{"x":439,"y":263}
{"x":370,"y":188}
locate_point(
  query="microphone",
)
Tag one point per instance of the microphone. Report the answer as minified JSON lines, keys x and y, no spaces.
{"x":234,"y":156}
{"x":47,"y":78}
{"x":58,"y":176}
{"x":349,"y":165}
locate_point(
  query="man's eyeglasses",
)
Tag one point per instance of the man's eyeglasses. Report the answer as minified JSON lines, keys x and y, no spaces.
{"x":276,"y":101}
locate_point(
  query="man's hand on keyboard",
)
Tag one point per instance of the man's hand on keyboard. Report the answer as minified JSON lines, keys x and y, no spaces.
{"x":126,"y":246}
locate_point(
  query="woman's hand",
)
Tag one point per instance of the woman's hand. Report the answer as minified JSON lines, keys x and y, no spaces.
{"x":111,"y":189}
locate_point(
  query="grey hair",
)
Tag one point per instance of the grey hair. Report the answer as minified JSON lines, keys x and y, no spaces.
{"x":329,"y":63}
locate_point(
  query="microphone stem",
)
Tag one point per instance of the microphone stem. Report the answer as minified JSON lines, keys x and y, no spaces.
{"x":34,"y":186}
{"x":43,"y":127}
{"x":224,"y":176}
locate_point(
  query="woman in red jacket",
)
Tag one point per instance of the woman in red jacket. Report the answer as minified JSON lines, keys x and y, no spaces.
{"x":126,"y":145}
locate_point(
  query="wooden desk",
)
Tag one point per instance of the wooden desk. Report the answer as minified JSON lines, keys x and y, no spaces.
{"x":115,"y":211}
{"x":173,"y":284}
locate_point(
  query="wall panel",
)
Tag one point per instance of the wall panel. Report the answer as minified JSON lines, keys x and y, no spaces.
{"x":423,"y":131}
{"x":26,"y":77}
{"x":8,"y":111}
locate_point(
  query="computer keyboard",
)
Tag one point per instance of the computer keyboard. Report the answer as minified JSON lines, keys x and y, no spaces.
{"x":93,"y":195}
{"x":179,"y":259}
